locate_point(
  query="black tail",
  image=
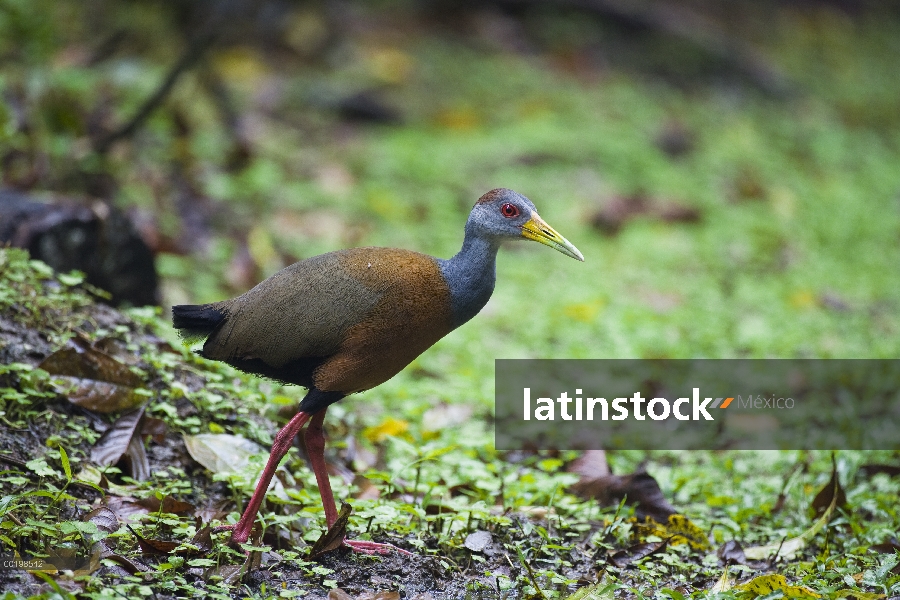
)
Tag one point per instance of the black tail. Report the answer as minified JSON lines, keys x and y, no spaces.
{"x":196,"y":321}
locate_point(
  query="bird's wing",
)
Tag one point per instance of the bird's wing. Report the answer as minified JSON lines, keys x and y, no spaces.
{"x":302,"y":311}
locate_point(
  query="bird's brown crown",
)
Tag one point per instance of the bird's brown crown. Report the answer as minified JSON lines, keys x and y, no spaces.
{"x":492,"y":195}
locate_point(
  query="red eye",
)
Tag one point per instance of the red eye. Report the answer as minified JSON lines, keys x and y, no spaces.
{"x":509,"y":210}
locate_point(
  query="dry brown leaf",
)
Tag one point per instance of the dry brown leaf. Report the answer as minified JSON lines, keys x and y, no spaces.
{"x":334,"y":537}
{"x":125,"y":507}
{"x":874,"y":469}
{"x":887,"y":547}
{"x":623,"y":558}
{"x":640,"y":488}
{"x":115,"y":441}
{"x":105,"y":519}
{"x":827,"y":494}
{"x":155,"y":428}
{"x":136,"y":457}
{"x":98,"y":396}
{"x":83,"y":362}
{"x":167,"y":505}
{"x":203,"y":539}
{"x":151,"y":546}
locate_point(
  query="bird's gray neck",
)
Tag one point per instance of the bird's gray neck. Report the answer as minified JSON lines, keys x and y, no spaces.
{"x":471,"y":275}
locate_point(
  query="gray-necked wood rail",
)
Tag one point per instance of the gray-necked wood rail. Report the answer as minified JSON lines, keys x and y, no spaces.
{"x":347,"y":321}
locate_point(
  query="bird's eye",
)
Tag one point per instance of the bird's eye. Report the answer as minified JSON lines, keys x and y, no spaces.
{"x":509,"y":210}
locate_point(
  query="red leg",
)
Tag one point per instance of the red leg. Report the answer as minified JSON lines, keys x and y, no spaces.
{"x":314,"y":436}
{"x":315,"y":448}
{"x":280,"y":446}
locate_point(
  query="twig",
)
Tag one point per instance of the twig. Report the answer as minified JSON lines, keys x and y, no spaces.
{"x":191,"y":55}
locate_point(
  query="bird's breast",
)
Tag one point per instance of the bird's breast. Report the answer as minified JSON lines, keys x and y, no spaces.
{"x":413,"y":311}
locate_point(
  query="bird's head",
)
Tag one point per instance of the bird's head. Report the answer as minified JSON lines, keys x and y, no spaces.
{"x":507,"y":215}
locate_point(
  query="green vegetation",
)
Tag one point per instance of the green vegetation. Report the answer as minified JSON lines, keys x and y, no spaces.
{"x":794,"y":253}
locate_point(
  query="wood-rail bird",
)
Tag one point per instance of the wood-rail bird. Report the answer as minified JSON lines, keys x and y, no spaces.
{"x":347,"y":321}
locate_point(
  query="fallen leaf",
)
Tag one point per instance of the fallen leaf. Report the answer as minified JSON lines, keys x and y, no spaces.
{"x":618,"y":211}
{"x":459,"y":119}
{"x":639,"y":488}
{"x":623,"y":558}
{"x":888,"y":547}
{"x":334,"y":536}
{"x":155,"y":428}
{"x":748,"y":185}
{"x":874,"y":469}
{"x":378,"y":596}
{"x":167,"y":505}
{"x":766,"y":584}
{"x":118,"y":350}
{"x":724,"y":583}
{"x":676,"y":139}
{"x":676,"y":212}
{"x":367,"y":106}
{"x":133,"y":567}
{"x":390,"y":427}
{"x":136,"y":457}
{"x":203,"y":539}
{"x":115,"y":440}
{"x":789,"y":548}
{"x":678,"y":529}
{"x":230,"y":574}
{"x":83,"y":362}
{"x":222,"y":452}
{"x":104,"y":518}
{"x":125,"y":507}
{"x":98,"y":396}
{"x":731,"y":552}
{"x":151,"y":546}
{"x":832,"y":493}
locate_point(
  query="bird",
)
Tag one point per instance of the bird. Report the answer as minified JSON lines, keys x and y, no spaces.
{"x":347,"y":321}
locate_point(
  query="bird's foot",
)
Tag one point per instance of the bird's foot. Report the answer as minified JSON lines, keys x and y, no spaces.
{"x":362,"y":546}
{"x":238,"y":535}
{"x":374,"y":547}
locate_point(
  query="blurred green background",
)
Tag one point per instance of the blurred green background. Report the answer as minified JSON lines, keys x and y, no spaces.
{"x":731,"y":173}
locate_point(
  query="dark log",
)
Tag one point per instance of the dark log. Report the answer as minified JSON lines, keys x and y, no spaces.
{"x":98,"y":240}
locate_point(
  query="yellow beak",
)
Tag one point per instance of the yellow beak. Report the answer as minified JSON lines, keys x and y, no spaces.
{"x":538,"y":230}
